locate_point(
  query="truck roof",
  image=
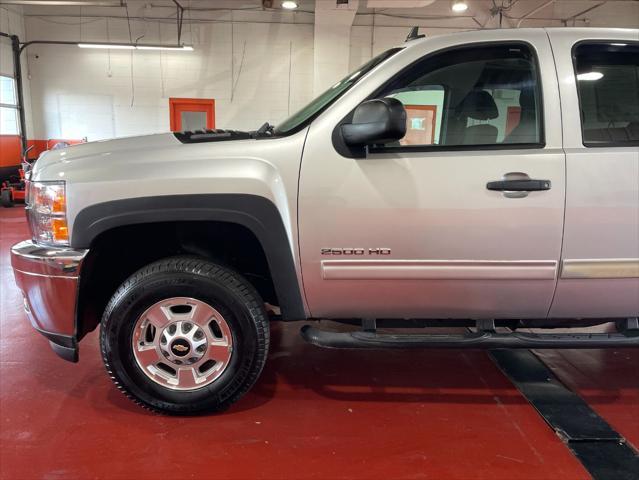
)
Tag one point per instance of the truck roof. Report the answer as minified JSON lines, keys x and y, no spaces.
{"x":576,"y":32}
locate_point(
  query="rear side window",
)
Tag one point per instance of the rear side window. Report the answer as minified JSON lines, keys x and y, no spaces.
{"x":608,"y":87}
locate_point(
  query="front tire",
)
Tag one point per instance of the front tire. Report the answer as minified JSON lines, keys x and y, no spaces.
{"x":185,"y":336}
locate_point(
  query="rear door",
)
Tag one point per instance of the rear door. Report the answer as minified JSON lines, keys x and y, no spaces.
{"x":599,"y":85}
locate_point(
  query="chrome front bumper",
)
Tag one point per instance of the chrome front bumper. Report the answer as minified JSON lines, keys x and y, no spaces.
{"x":49,"y":278}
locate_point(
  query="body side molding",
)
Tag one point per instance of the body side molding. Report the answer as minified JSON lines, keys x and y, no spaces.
{"x":600,"y":268}
{"x":256,"y":213}
{"x":438,"y":270}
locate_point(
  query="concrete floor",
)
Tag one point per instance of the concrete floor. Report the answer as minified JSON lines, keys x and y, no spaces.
{"x":314,"y":413}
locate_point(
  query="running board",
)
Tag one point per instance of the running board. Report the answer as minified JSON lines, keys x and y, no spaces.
{"x":478,"y":340}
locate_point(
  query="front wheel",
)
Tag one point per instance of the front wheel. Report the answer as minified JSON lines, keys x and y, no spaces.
{"x":185,"y":336}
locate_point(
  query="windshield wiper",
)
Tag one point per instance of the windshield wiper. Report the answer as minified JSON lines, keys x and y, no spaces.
{"x":266,"y":130}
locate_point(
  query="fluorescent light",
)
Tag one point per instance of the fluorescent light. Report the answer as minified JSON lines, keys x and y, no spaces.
{"x":619,"y":44}
{"x":187,"y":48}
{"x":130,"y":46}
{"x":94,"y":3}
{"x":459,"y":6}
{"x":289,"y":5}
{"x":590,"y":76}
{"x":103,"y":45}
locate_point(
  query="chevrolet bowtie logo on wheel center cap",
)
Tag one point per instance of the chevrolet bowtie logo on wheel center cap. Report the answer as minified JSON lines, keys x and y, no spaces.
{"x":180,"y":347}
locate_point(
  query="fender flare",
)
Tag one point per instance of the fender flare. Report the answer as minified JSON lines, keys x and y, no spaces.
{"x":258,"y":214}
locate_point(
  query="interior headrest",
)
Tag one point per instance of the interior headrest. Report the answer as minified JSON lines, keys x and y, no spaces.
{"x":527,"y":99}
{"x":478,"y":105}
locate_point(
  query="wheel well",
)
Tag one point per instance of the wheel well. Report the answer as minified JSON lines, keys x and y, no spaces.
{"x":118,"y":253}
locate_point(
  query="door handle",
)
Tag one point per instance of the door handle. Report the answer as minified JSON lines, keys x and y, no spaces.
{"x":522,"y":185}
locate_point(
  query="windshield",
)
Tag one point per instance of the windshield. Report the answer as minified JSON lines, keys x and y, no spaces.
{"x":329,"y":96}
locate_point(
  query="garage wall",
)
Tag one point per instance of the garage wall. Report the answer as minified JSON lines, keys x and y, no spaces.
{"x":12,"y":22}
{"x":254,"y":71}
{"x":257,"y":65}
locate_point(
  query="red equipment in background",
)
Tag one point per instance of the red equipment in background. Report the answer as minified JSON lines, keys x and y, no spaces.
{"x":13,"y":189}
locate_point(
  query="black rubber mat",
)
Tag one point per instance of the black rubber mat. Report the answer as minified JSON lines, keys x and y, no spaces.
{"x":598,"y":446}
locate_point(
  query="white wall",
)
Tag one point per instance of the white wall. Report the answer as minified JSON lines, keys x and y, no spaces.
{"x":330,"y":38}
{"x":12,"y":22}
{"x":254,"y":71}
{"x":257,"y":65}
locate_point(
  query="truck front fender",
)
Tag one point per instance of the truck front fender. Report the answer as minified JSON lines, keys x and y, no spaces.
{"x":256,"y":213}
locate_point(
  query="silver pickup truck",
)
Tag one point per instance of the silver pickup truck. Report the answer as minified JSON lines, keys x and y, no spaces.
{"x":485,"y":179}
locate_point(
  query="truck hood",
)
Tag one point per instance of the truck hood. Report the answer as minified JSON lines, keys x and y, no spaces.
{"x":100,"y":151}
{"x":163,"y":164}
{"x":220,"y":162}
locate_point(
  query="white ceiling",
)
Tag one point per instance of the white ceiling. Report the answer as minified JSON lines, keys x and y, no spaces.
{"x":479,"y":10}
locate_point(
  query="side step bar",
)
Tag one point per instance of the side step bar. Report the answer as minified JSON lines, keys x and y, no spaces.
{"x":478,"y":340}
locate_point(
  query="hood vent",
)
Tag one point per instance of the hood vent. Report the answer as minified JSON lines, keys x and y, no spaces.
{"x":199,"y":136}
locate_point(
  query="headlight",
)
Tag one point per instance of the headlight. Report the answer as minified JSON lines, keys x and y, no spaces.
{"x":47,"y":212}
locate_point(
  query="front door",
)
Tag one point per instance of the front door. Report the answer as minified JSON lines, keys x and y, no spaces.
{"x":412,"y":230}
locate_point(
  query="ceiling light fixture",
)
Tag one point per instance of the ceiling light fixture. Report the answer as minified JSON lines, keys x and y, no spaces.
{"x":459,"y":6}
{"x":131,"y":46}
{"x":181,"y":48}
{"x":589,"y":76}
{"x":100,"y":45}
{"x":76,"y":3}
{"x":289,"y":5}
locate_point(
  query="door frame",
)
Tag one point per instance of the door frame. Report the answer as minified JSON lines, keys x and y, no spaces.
{"x":178,"y":105}
{"x":426,"y":108}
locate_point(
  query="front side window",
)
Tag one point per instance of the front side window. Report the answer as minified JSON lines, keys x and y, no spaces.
{"x":608,"y":86}
{"x":484,"y":95}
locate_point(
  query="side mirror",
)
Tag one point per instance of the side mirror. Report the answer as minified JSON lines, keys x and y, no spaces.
{"x":382,"y":120}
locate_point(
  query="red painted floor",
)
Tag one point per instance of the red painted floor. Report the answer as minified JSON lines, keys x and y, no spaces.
{"x":314,"y":414}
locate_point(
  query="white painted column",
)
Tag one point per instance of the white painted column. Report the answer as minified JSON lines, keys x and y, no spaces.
{"x":332,"y":42}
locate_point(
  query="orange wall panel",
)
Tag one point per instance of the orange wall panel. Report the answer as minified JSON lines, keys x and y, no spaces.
{"x":10,"y":149}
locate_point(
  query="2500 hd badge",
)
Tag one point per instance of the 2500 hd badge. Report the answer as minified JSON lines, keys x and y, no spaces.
{"x":356,"y":251}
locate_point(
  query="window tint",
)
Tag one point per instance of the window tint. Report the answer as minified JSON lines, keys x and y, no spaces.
{"x":7,"y":91}
{"x":9,"y":121}
{"x":471,"y":96}
{"x":608,"y":86}
{"x":8,"y":107}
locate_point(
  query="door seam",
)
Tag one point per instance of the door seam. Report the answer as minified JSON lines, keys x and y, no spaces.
{"x":563,"y":149}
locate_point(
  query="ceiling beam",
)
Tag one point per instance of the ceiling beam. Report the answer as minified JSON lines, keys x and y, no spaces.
{"x":532,"y":12}
{"x":73,"y":3}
